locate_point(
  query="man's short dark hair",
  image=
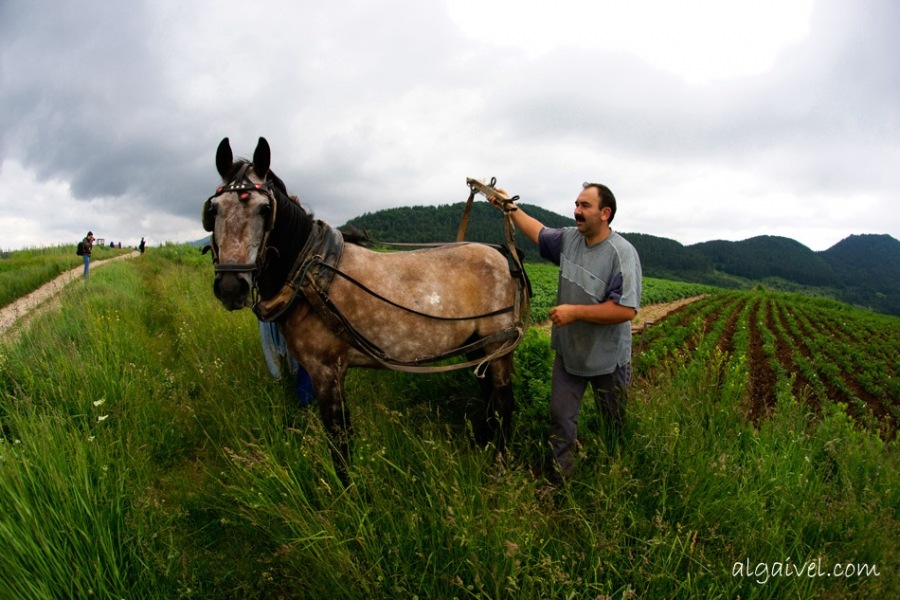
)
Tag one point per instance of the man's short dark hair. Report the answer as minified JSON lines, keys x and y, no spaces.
{"x":607,"y":198}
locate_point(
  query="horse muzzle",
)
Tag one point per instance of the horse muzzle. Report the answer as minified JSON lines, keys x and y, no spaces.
{"x":232,"y":289}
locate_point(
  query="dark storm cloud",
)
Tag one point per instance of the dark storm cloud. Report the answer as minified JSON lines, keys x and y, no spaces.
{"x":369,"y":105}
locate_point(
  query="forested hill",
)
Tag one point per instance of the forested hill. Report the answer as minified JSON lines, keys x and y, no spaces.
{"x":768,"y":256}
{"x":428,"y":224}
{"x":868,"y":267}
{"x":861,"y":269}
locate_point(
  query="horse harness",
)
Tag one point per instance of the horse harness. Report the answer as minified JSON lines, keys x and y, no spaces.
{"x":315,"y":269}
{"x":312,"y":275}
{"x":242,"y":185}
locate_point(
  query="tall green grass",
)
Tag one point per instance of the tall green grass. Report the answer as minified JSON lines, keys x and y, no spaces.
{"x":23,"y":271}
{"x":146,"y":453}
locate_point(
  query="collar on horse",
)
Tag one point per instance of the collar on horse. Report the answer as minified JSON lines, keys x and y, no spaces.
{"x":311,"y":276}
{"x":312,"y":273}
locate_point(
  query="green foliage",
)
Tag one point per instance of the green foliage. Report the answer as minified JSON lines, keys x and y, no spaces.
{"x":665,"y":255}
{"x":23,"y":271}
{"x":146,"y":453}
{"x":64,"y":501}
{"x":544,"y":279}
{"x":427,"y":224}
{"x":656,"y":291}
{"x":868,"y":269}
{"x":768,"y":256}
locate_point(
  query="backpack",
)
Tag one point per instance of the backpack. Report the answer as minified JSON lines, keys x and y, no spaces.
{"x":79,"y":250}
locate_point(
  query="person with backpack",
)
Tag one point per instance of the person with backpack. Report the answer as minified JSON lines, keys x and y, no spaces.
{"x":84,"y":249}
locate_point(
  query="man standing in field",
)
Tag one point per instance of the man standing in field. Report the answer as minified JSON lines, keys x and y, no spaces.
{"x":88,"y":246}
{"x":598,"y":296}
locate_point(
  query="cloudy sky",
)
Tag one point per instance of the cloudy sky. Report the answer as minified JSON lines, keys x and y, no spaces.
{"x":709,"y":119}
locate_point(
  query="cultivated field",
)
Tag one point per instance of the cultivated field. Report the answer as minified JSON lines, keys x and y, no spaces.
{"x":816,"y":351}
{"x":145,"y":452}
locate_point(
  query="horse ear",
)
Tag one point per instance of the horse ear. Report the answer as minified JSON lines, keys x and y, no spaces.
{"x":224,"y":158}
{"x":262,"y":158}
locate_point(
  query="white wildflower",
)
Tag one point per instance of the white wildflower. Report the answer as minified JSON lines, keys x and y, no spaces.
{"x":102,"y":418}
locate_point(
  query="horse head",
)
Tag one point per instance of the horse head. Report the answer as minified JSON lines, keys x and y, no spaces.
{"x":240,"y":216}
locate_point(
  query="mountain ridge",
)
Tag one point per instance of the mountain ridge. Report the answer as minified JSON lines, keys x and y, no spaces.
{"x":861,"y":269}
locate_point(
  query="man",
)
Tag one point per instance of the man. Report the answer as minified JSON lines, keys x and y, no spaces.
{"x":276,"y":354}
{"x":88,"y":244}
{"x":598,"y":296}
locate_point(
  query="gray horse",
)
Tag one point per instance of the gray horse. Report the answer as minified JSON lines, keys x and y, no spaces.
{"x":342,"y":305}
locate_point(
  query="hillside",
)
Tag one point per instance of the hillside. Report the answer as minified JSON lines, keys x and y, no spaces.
{"x":862,"y":269}
{"x":440,"y":223}
{"x":867,"y":268}
{"x":662,"y":257}
{"x":768,"y":256}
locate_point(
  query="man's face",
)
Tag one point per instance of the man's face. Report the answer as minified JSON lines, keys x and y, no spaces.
{"x":589,"y":217}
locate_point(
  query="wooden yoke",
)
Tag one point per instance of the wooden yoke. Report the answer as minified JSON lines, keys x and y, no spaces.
{"x":464,"y":223}
{"x":476,"y":186}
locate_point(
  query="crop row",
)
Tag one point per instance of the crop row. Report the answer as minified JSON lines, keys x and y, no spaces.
{"x":794,"y":348}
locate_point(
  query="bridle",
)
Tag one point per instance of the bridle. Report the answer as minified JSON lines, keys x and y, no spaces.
{"x":241,"y":185}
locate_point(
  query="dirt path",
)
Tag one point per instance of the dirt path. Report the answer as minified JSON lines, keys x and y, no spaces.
{"x":654,"y":312}
{"x":26,"y":305}
{"x":648,"y":314}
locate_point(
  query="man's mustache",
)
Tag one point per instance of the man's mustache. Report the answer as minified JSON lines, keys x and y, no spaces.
{"x":579,"y":218}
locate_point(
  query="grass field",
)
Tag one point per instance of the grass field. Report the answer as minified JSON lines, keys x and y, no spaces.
{"x":146,"y":453}
{"x":23,"y":271}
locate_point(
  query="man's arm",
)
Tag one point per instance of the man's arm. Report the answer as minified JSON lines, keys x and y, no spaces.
{"x":528,"y":225}
{"x":605,"y":313}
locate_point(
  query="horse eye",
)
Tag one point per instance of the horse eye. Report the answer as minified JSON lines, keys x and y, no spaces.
{"x":209,"y":215}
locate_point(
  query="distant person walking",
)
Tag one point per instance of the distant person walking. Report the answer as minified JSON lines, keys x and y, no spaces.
{"x":87,"y":247}
{"x":141,"y":245}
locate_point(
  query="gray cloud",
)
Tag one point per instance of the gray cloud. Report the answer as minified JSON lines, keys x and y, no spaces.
{"x":365,"y":110}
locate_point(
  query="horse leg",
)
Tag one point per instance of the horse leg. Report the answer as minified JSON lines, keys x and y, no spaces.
{"x":482,"y":430}
{"x":329,"y":386}
{"x":497,"y":423}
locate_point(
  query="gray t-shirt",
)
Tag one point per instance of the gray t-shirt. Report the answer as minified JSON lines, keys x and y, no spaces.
{"x":593,"y":275}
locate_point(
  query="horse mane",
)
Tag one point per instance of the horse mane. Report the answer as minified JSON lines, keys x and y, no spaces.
{"x":351,"y":234}
{"x":354,"y":235}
